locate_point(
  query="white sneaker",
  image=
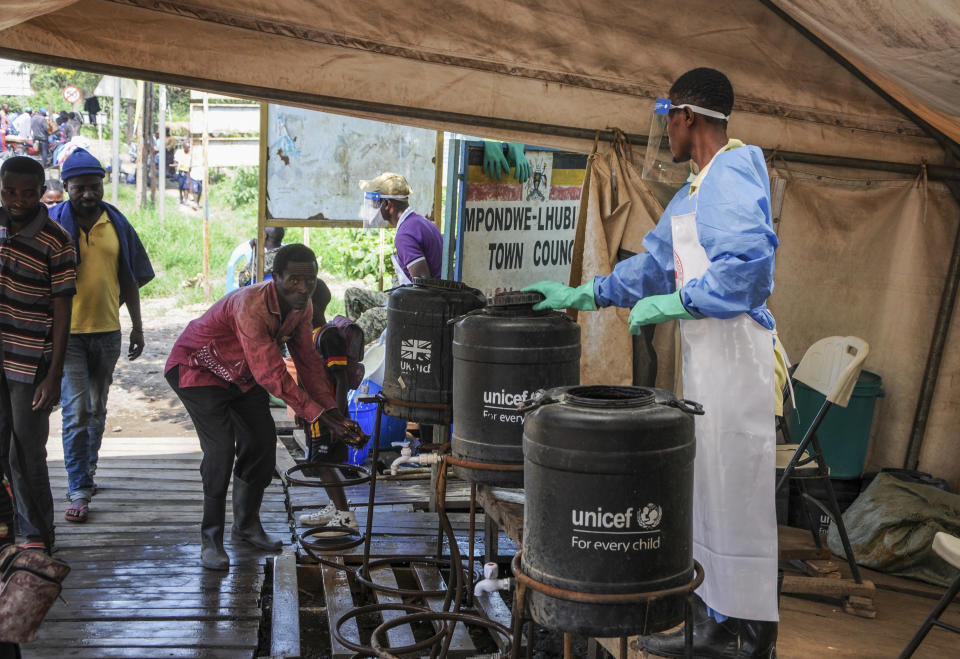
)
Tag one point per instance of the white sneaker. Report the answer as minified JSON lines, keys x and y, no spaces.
{"x":345,"y":518}
{"x":320,"y":517}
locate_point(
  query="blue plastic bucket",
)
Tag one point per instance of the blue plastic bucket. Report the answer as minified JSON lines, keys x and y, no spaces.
{"x":392,"y":429}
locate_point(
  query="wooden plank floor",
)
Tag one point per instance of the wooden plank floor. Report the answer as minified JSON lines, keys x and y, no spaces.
{"x":137,"y":588}
{"x":819,"y":628}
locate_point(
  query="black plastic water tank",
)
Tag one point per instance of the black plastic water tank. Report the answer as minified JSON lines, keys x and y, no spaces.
{"x":608,"y":473}
{"x":501,"y":357}
{"x":419,"y":363}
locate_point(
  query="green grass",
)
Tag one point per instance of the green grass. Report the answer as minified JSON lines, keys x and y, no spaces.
{"x":175,"y":245}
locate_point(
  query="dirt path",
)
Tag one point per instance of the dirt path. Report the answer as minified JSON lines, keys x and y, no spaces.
{"x":141,"y":402}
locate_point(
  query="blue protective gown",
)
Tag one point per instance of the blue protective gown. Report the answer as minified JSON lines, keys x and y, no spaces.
{"x":736,"y":230}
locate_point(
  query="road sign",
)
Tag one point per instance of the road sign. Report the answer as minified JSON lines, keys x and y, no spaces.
{"x":71,"y":94}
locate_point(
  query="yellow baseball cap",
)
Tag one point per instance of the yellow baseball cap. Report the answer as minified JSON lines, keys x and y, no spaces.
{"x":388,"y":185}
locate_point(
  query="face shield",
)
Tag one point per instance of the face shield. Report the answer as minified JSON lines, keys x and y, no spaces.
{"x":370,"y":209}
{"x":658,"y":163}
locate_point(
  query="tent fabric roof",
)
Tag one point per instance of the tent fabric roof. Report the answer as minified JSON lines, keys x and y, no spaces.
{"x":910,"y":49}
{"x":547,"y":72}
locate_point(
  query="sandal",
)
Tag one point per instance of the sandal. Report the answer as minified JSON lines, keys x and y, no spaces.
{"x":76,"y":511}
{"x":34,"y":544}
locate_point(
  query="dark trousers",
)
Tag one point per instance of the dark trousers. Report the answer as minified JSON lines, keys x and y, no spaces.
{"x":230,"y":423}
{"x":44,"y":144}
{"x":23,"y":446}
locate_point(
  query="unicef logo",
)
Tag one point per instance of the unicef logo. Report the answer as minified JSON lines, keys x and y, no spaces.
{"x":649,"y":516}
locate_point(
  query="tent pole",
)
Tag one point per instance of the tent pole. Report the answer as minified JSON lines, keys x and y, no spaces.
{"x":941,"y":329}
{"x":162,"y":146}
{"x":115,"y":139}
{"x":206,"y":202}
{"x":138,"y":131}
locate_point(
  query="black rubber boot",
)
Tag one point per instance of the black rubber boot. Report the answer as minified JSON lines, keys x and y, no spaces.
{"x":711,"y":639}
{"x":246,"y":516}
{"x":758,"y":640}
{"x":212,"y":555}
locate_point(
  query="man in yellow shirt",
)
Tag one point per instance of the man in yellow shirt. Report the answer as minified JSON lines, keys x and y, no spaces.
{"x":182,"y":157}
{"x":111,"y":266}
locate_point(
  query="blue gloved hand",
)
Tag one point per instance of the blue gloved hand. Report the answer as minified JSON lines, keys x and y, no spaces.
{"x":515,"y":151}
{"x":563,"y":297}
{"x":657,"y":309}
{"x":494,"y":161}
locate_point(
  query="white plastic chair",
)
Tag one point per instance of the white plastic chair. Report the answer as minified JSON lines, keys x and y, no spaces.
{"x":830,"y":366}
{"x":947,"y":547}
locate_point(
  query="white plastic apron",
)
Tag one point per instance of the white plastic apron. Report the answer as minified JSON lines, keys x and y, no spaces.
{"x":402,"y":278}
{"x":728,"y":368}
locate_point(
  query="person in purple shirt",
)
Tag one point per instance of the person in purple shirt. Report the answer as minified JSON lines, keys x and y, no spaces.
{"x":419,"y":247}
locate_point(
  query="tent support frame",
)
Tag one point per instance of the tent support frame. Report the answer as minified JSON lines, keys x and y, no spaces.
{"x":329,"y":103}
{"x":941,"y":329}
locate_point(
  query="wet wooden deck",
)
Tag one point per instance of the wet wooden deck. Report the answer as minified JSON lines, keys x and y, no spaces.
{"x":137,"y":588}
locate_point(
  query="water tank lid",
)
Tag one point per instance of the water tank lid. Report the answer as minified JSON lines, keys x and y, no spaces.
{"x":444,"y":284}
{"x":515,"y":299}
{"x":611,"y":396}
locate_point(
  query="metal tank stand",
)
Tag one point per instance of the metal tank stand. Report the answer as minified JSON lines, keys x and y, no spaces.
{"x":525,"y":582}
{"x":479,"y":466}
{"x":453,"y":596}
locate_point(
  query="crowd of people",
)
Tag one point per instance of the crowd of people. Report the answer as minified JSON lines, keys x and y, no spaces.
{"x":36,"y":131}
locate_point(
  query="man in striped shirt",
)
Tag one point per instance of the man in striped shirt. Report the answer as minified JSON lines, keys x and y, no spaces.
{"x":37,"y":284}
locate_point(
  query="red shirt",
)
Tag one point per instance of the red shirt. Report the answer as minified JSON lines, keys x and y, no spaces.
{"x":244,"y":332}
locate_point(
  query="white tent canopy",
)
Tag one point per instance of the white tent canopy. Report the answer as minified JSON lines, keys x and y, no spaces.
{"x":548,"y":72}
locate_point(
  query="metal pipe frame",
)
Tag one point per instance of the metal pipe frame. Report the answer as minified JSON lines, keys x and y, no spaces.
{"x":525,"y":582}
{"x":429,"y":616}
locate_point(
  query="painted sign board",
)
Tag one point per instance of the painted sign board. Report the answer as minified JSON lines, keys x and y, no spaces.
{"x":315,"y":161}
{"x":513,"y":234}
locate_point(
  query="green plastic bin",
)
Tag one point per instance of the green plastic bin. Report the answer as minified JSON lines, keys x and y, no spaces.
{"x":845,"y":431}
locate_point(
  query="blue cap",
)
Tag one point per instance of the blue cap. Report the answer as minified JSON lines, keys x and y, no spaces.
{"x":43,"y":111}
{"x":80,"y":163}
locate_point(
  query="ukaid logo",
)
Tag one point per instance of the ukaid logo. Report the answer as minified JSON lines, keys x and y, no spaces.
{"x":631,"y":530}
{"x":501,"y":406}
{"x":415,"y":355}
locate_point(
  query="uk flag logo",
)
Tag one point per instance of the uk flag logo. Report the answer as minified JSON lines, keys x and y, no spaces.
{"x":416,"y":350}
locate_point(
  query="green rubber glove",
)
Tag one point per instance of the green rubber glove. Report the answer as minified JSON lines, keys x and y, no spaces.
{"x":657,"y":309}
{"x":563,"y":297}
{"x":495,"y":163}
{"x":515,"y":151}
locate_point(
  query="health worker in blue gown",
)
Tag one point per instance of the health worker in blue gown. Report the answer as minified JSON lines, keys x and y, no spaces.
{"x":709,"y":264}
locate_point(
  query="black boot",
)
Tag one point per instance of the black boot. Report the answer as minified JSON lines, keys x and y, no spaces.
{"x":758,"y":640}
{"x":711,"y":639}
{"x":212,"y":555}
{"x":246,"y":516}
